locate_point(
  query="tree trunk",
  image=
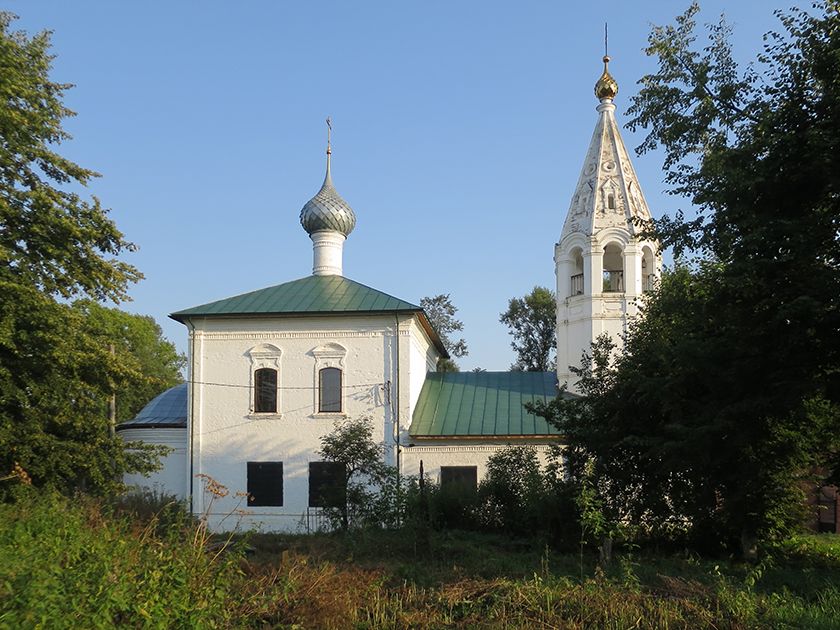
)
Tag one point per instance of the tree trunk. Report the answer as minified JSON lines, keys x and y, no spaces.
{"x":749,"y":544}
{"x":605,"y":550}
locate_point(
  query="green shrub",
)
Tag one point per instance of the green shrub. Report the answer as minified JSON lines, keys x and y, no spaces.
{"x":166,"y":512}
{"x":71,"y":563}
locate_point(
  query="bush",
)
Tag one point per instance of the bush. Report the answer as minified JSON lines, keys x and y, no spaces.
{"x":166,"y":512}
{"x":518,"y":497}
{"x":67,"y":561}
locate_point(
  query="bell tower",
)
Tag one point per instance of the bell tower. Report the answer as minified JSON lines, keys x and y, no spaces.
{"x":602,"y":264}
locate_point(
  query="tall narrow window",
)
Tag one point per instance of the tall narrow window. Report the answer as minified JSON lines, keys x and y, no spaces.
{"x":611,"y":201}
{"x":265,"y":391}
{"x":329,"y":398}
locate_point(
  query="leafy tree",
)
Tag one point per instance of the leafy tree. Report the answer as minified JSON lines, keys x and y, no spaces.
{"x":54,"y":374}
{"x":139,"y":349}
{"x":532,"y":322}
{"x":366,"y":477}
{"x":441,"y":313}
{"x":726,"y":394}
{"x":55,"y":380}
{"x":512,"y":490}
{"x":754,"y":151}
{"x":51,"y":238}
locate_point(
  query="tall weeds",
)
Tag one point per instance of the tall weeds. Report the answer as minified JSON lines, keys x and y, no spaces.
{"x":76,"y":563}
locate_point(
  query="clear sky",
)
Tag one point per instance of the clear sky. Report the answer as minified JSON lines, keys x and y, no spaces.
{"x":459,"y":133}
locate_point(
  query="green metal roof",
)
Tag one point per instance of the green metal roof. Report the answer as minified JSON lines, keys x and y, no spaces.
{"x":482,"y":404}
{"x":312,"y":294}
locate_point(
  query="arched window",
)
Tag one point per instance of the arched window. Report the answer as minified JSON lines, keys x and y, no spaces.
{"x":613,"y":269}
{"x":576,"y":280}
{"x":329,"y":388}
{"x":265,"y":391}
{"x":648,"y":269}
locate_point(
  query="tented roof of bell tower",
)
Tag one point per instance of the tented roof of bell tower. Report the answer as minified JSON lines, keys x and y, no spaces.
{"x":608,"y":192}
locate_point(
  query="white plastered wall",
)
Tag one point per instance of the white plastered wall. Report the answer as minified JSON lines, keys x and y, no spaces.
{"x":226,"y":433}
{"x":473,"y":452}
{"x":171,"y":478}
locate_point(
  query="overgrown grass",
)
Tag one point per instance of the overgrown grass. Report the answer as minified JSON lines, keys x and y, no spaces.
{"x":70,"y":564}
{"x":76,"y":564}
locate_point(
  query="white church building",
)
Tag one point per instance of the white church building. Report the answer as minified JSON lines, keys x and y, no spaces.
{"x":271,"y":371}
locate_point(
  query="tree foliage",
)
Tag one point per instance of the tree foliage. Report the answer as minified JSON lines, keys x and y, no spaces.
{"x":441,"y":313}
{"x":56,"y":371}
{"x":51,"y":238}
{"x":726,"y":393}
{"x":366,"y":476}
{"x":152,"y":363}
{"x":55,"y":380}
{"x":533,"y":325}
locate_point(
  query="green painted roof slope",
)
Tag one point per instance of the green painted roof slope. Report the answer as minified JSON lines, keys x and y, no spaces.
{"x":309,"y":295}
{"x":482,"y":404}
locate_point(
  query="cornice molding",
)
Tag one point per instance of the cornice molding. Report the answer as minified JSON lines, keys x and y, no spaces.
{"x":327,"y":334}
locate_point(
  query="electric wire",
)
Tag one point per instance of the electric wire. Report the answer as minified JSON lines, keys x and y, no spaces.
{"x":308,"y":388}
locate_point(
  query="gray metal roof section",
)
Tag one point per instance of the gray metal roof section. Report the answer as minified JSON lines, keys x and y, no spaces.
{"x":327,"y":211}
{"x":167,"y":410}
{"x":483,"y":404}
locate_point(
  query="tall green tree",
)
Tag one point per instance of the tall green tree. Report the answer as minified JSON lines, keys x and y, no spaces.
{"x":54,"y":244}
{"x":533,"y":325}
{"x":55,"y":381}
{"x":51,"y":238}
{"x":726,"y":394}
{"x":148,"y":362}
{"x":441,"y":313}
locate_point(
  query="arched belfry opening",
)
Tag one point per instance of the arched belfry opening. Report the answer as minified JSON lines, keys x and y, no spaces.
{"x":650,"y":271}
{"x":613,"y":272}
{"x":576,"y":280}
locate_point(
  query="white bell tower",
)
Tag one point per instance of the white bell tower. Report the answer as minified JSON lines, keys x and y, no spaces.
{"x":602,"y":265}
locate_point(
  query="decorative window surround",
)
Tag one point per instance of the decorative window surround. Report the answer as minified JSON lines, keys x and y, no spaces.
{"x":330,"y":355}
{"x":265,"y":355}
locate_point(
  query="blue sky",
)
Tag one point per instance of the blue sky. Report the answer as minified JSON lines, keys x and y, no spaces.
{"x":459,"y":133}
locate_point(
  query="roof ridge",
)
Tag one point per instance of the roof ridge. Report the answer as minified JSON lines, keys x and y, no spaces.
{"x":338,"y":295}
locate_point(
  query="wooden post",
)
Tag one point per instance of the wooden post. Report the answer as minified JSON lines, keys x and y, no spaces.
{"x":112,"y":405}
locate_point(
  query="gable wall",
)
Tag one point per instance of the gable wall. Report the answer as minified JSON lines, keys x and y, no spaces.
{"x":226,"y":433}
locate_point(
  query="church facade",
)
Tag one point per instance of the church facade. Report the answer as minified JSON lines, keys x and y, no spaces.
{"x":272,"y":371}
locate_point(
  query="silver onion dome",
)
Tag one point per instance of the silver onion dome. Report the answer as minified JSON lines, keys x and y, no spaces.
{"x":327,"y":210}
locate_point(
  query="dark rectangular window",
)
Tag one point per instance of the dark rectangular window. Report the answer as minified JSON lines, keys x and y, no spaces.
{"x":329,"y":399}
{"x":464,"y":476}
{"x":265,"y":391}
{"x":265,"y":483}
{"x":326,"y":484}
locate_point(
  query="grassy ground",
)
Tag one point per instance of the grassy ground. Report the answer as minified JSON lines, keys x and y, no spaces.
{"x":473,"y":580}
{"x":74,"y":564}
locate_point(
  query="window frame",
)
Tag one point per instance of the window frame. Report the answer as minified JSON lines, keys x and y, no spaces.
{"x":329,"y":355}
{"x":340,"y":398}
{"x":448,"y":479}
{"x":260,"y":390}
{"x":265,"y":356}
{"x":316,"y":495}
{"x":257,"y":475}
